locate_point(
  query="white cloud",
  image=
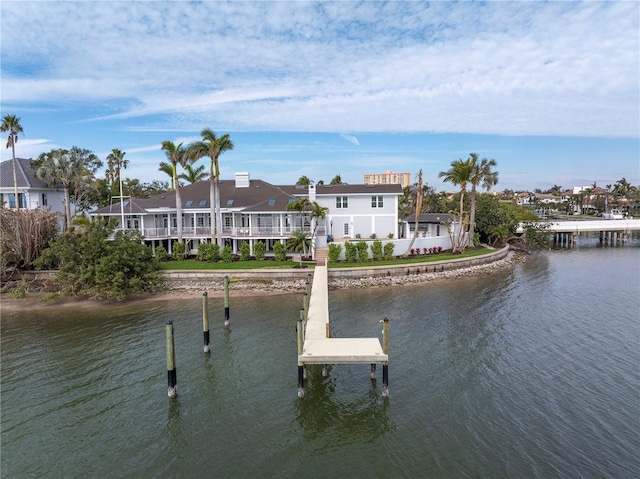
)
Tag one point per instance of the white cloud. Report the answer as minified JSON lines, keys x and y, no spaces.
{"x":504,"y":67}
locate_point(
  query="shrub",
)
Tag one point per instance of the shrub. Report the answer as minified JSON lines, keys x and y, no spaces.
{"x":227,"y":255}
{"x":376,"y":250}
{"x":259,"y":250}
{"x":425,"y":250}
{"x":161,"y":253}
{"x":334,"y":252}
{"x":280,"y":251}
{"x":390,"y":236}
{"x":179,"y":250}
{"x":350,"y":252}
{"x":388,"y":251}
{"x":373,"y":236}
{"x":245,"y":251}
{"x":209,"y":252}
{"x":413,"y":251}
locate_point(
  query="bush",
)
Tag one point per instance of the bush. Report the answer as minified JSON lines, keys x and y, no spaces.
{"x":334,"y":252}
{"x":376,"y":250}
{"x":179,"y":250}
{"x":227,"y":254}
{"x":161,"y":253}
{"x":259,"y":250}
{"x":388,"y":251}
{"x":363,"y":251}
{"x":350,"y":252}
{"x":245,"y":251}
{"x":280,"y":251}
{"x":209,"y":252}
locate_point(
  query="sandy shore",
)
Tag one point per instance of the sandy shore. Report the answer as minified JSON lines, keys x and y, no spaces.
{"x":246,"y":288}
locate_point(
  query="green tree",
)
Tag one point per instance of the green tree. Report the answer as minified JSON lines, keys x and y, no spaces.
{"x":482,"y":174}
{"x":11,"y":123}
{"x":193,"y":175}
{"x":418,"y":210}
{"x":212,"y":146}
{"x":300,"y":205}
{"x":177,"y":155}
{"x":337,"y":180}
{"x":496,"y":221}
{"x":115,"y":164}
{"x":317,"y":213}
{"x":303,"y":180}
{"x":168,"y":169}
{"x":299,"y":242}
{"x":459,"y":174}
{"x":60,"y":167}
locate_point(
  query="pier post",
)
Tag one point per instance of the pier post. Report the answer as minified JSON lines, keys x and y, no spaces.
{"x":225,"y":283}
{"x":385,"y":350}
{"x":172,"y":391}
{"x":305,"y":304}
{"x":302,"y":318}
{"x":373,"y":371}
{"x":205,"y":322}
{"x":300,"y":364}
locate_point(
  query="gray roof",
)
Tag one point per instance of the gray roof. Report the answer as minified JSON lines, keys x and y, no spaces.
{"x":344,"y":189}
{"x":25,"y":175}
{"x":430,"y":218}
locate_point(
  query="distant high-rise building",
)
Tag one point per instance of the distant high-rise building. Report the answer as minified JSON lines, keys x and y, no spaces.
{"x":388,"y":178}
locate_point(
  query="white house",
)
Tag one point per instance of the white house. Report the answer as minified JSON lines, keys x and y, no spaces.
{"x":32,"y":192}
{"x":254,"y":210}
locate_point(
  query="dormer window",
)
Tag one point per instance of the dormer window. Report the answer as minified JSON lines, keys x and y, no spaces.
{"x":189,"y":203}
{"x":203,"y":202}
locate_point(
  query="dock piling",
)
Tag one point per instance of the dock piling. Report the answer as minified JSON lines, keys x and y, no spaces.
{"x":385,"y":350}
{"x":225,"y":283}
{"x":205,"y":322}
{"x":172,"y":390}
{"x":299,"y":330}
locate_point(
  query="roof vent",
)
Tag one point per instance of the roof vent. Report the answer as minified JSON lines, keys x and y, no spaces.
{"x":242,"y":180}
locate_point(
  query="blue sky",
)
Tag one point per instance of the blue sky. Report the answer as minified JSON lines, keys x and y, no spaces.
{"x":550,"y":90}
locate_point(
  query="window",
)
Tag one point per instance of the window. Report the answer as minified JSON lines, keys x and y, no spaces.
{"x":203,"y":202}
{"x":21,"y":197}
{"x":229,"y":202}
{"x":345,"y":229}
{"x":272,"y":202}
{"x":376,"y":201}
{"x":189,"y":203}
{"x":45,"y":201}
{"x":342,"y":202}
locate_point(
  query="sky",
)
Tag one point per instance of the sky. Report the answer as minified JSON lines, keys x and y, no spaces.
{"x":550,"y":90}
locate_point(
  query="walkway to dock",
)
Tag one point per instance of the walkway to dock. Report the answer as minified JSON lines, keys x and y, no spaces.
{"x":315,"y":346}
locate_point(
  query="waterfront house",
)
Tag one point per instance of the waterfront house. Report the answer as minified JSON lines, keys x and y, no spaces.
{"x":33,"y":193}
{"x":254,"y":210}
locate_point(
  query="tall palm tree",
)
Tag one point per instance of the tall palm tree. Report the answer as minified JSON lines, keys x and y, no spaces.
{"x":300,"y":205}
{"x":316,"y":213}
{"x":116,"y":163}
{"x":337,"y":180}
{"x":299,"y":242}
{"x":168,"y":169}
{"x":177,"y":155}
{"x":418,"y":211}
{"x":11,"y":123}
{"x":482,"y":173}
{"x":211,"y":146}
{"x":459,"y":174}
{"x":60,"y":167}
{"x":303,"y":180}
{"x":193,"y":175}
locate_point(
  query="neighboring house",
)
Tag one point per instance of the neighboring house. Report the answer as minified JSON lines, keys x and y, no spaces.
{"x":429,"y":224}
{"x":254,"y":210}
{"x":524,"y":198}
{"x":32,"y":192}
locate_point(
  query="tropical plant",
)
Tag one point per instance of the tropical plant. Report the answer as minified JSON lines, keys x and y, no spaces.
{"x":300,"y":205}
{"x":317,"y":213}
{"x":299,"y":242}
{"x":177,"y":155}
{"x":11,"y":123}
{"x":482,"y":173}
{"x":115,"y":163}
{"x":303,"y":180}
{"x":418,"y":210}
{"x":459,"y":174}
{"x":61,"y":167}
{"x":193,"y":175}
{"x":337,"y":180}
{"x":212,"y":146}
{"x":168,"y":169}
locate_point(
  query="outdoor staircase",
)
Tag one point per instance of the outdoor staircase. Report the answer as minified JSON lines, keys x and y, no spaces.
{"x":321,"y":256}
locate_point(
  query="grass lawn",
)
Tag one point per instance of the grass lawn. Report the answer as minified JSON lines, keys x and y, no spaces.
{"x":193,"y":264}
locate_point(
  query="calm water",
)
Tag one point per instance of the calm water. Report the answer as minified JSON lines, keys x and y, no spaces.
{"x":530,"y":372}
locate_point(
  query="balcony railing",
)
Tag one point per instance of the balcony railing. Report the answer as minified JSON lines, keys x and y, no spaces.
{"x":234,"y":232}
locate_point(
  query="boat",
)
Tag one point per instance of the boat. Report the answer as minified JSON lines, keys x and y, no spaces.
{"x":613,"y":214}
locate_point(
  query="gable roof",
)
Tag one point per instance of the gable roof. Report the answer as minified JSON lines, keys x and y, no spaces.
{"x":344,"y":189}
{"x":25,"y":175}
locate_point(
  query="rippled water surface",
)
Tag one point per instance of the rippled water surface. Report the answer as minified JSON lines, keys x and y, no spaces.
{"x":528,"y":372}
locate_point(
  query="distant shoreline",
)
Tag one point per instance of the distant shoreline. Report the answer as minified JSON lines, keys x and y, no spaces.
{"x":195,"y":289}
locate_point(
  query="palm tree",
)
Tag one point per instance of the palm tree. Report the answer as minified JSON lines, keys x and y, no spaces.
{"x":168,"y":169}
{"x":211,"y":146}
{"x":60,"y":167}
{"x":459,"y":174}
{"x":11,"y":123}
{"x":115,"y":163}
{"x":303,"y":180}
{"x":482,"y":173}
{"x":418,"y":210}
{"x":300,"y":205}
{"x":316,"y":213}
{"x":299,"y":242}
{"x":192,"y":175}
{"x":337,"y":180}
{"x":177,"y":155}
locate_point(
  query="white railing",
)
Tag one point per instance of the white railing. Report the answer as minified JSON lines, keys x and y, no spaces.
{"x":235,"y":232}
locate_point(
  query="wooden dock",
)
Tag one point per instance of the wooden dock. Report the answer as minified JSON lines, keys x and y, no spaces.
{"x":316,"y":346}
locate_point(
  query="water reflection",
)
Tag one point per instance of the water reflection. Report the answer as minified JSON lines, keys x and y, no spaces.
{"x":324,"y":412}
